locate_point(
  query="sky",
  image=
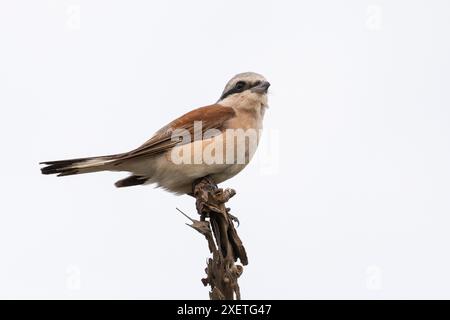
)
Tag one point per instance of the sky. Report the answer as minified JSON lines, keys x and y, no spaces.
{"x":346,"y":198}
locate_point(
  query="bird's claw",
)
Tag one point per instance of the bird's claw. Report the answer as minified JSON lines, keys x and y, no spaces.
{"x":234,"y":219}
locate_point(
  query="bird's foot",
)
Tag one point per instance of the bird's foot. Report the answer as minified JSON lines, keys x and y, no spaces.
{"x":233,"y":218}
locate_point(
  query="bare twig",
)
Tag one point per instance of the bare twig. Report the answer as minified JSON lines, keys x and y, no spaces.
{"x":216,"y":224}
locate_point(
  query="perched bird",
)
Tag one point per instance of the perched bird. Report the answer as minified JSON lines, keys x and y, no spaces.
{"x":209,"y":141}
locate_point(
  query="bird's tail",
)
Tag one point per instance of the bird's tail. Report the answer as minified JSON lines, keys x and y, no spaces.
{"x":77,"y":166}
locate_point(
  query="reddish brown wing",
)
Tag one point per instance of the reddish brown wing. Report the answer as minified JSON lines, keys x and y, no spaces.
{"x":212,"y":116}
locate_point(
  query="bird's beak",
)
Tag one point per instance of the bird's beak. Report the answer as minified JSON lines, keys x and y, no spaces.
{"x":262,"y":87}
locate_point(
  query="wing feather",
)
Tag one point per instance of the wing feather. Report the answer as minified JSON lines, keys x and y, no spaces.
{"x":212,"y":117}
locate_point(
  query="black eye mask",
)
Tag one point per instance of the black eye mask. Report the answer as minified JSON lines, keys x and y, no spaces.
{"x":240,"y":86}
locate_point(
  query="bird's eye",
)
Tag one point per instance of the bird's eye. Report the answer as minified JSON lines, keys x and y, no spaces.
{"x":240,"y":85}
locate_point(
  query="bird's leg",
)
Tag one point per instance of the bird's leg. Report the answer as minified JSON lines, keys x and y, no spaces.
{"x":201,"y":189}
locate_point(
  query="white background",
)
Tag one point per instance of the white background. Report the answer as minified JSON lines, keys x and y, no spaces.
{"x":349,"y":198}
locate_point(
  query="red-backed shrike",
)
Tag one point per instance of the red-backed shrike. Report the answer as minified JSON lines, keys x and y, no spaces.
{"x":217,"y":140}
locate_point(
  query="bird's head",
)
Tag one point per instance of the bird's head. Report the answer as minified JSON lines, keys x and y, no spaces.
{"x":245,"y":90}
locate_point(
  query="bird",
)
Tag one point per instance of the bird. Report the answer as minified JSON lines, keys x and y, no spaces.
{"x":212,"y":141}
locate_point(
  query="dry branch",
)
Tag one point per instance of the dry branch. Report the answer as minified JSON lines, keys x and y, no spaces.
{"x":216,"y":224}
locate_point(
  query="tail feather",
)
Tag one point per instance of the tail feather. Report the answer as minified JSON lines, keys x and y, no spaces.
{"x":131,"y":181}
{"x":76,"y":166}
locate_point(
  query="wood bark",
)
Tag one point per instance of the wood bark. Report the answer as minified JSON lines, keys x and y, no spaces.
{"x":216,"y":224}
